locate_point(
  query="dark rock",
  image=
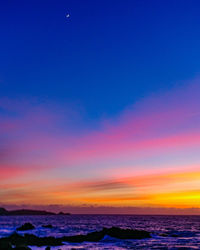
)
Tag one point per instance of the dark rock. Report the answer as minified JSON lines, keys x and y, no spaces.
{"x":113,"y":232}
{"x":22,"y":247}
{"x":5,"y":245}
{"x":174,"y":235}
{"x":61,"y":213}
{"x":26,"y":226}
{"x":32,"y":240}
{"x":3,"y":211}
{"x":47,"y":226}
{"x":47,"y":248}
{"x":16,"y":239}
{"x":126,"y":233}
{"x":163,"y":235}
{"x":92,"y":237}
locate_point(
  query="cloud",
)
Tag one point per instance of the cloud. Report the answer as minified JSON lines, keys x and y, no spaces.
{"x":10,"y":172}
{"x":48,"y":142}
{"x":106,"y":185}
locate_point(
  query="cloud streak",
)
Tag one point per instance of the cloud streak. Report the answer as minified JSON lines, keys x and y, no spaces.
{"x":40,"y":139}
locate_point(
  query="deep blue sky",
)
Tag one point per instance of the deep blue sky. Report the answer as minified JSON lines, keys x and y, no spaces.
{"x":105,"y":57}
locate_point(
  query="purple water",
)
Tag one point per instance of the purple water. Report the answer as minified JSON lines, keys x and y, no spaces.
{"x":185,"y":228}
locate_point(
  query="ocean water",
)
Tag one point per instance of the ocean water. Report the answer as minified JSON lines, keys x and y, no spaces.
{"x":179,"y":232}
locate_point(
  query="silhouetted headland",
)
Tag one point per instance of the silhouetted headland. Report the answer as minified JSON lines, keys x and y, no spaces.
{"x":3,"y":211}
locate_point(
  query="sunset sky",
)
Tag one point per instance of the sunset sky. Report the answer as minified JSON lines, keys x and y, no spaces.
{"x":100,"y":111}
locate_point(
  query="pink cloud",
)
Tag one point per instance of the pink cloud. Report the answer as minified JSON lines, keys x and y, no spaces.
{"x":39,"y":137}
{"x":10,"y":172}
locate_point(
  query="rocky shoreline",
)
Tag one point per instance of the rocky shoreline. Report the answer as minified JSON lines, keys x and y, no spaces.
{"x":22,"y":242}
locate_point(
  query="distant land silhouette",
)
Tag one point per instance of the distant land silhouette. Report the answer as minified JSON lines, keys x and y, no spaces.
{"x":3,"y":211}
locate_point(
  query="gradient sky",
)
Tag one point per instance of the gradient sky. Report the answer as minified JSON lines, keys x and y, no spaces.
{"x":100,"y":112}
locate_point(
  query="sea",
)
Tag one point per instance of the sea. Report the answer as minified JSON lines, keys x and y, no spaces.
{"x":168,"y":232}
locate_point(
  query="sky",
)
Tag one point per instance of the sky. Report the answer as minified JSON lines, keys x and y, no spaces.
{"x":100,"y":110}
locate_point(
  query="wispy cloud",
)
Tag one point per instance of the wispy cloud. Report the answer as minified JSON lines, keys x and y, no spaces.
{"x":41,"y":140}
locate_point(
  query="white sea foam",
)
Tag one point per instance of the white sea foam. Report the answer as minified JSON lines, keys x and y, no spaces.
{"x":171,"y":232}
